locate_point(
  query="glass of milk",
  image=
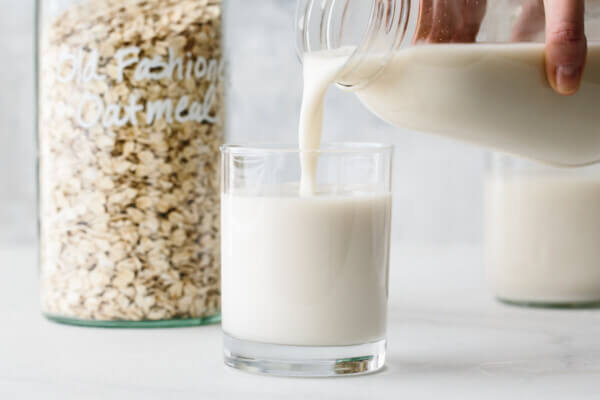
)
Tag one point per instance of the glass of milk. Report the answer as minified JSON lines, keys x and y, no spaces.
{"x":305,"y":276}
{"x":542,"y":233}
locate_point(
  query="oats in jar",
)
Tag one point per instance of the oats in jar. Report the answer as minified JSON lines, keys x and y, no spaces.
{"x":130,"y":124}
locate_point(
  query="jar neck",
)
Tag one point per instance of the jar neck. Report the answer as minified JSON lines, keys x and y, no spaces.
{"x":365,"y":28}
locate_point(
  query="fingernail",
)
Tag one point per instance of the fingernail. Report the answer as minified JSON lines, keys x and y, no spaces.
{"x":567,"y":79}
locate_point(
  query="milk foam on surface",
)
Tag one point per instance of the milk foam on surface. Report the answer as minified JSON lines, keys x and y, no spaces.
{"x":308,"y":270}
{"x":494,"y":95}
{"x":542,"y":238}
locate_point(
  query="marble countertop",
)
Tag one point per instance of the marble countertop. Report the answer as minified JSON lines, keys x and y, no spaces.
{"x":448,"y":339}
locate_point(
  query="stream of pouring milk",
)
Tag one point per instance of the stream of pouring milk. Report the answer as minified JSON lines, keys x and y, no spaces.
{"x":495,"y":95}
{"x":320,"y":72}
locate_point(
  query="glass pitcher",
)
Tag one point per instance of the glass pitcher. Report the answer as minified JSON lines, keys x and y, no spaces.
{"x":477,"y":74}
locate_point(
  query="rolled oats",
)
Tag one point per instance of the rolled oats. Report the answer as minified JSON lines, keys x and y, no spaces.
{"x":131,"y":120}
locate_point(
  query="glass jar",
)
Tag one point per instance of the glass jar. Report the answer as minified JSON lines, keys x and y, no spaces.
{"x":130,"y":121}
{"x":473,"y":71}
{"x":542,"y":230}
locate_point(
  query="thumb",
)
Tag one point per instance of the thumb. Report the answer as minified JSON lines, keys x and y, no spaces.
{"x":566,"y":45}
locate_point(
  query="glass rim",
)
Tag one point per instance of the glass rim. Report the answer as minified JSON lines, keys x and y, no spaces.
{"x":325,"y":148}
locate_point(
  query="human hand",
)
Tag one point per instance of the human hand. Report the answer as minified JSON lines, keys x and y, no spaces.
{"x":449,"y":21}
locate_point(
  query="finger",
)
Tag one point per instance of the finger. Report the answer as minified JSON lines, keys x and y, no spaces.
{"x":531,"y":22}
{"x":446,"y":17}
{"x":424,"y":21}
{"x":566,"y":45}
{"x":473,"y":13}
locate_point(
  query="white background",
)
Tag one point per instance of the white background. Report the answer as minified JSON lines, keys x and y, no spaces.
{"x":438,"y":182}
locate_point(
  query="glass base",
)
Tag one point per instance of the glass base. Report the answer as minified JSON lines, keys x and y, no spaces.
{"x":170,"y":323}
{"x":553,"y":305}
{"x":304,"y":361}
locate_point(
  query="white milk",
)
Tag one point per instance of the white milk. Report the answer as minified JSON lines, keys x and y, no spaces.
{"x":320,"y":72}
{"x":493,"y":95}
{"x":305,"y":270}
{"x":542,"y":238}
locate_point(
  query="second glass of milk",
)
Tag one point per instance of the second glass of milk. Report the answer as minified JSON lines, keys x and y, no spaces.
{"x":542,"y":233}
{"x":305,"y":277}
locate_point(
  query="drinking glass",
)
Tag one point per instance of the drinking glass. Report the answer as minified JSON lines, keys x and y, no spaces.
{"x":305,"y":277}
{"x":541,"y":233}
